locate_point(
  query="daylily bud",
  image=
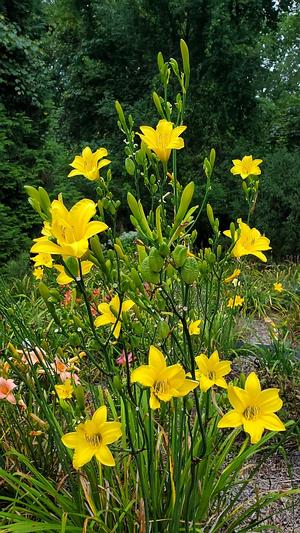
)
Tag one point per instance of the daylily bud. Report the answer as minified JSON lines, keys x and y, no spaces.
{"x":44,"y":291}
{"x":232,"y":230}
{"x":157,"y":103}
{"x":211,"y":258}
{"x":72,"y":266}
{"x":210,"y":215}
{"x":219,"y":251}
{"x":130,"y":166}
{"x":55,"y":295}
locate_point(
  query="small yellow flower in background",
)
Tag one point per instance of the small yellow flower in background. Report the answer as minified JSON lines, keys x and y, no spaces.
{"x":250,"y":242}
{"x":194,"y":327}
{"x":42,"y":260}
{"x":235,"y":274}
{"x":64,"y":391}
{"x":253,"y":409}
{"x":110,"y":313}
{"x":163,"y":139}
{"x":237,"y":301}
{"x":63,"y":278}
{"x":211,"y":371}
{"x":246,"y":167}
{"x":165,"y":382}
{"x":38,"y":272}
{"x":71,"y":229}
{"x":91,"y":439}
{"x":278,"y":287}
{"x":89,"y":163}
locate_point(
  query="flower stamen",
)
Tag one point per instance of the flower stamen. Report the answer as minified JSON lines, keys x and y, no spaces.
{"x":251,"y":412}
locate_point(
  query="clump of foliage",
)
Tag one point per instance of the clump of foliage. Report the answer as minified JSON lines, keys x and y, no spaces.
{"x":120,"y":412}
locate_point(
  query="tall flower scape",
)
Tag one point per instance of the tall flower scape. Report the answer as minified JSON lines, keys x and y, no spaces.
{"x":132,"y":417}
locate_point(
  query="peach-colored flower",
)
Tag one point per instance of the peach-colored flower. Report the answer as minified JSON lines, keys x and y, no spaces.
{"x":6,"y":386}
{"x":64,"y":371}
{"x":121,"y":360}
{"x":35,"y":356}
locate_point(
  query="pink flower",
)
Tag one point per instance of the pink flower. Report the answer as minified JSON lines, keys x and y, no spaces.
{"x":6,"y":386}
{"x":63,"y":371}
{"x":121,"y":360}
{"x":69,"y":375}
{"x":33,"y":356}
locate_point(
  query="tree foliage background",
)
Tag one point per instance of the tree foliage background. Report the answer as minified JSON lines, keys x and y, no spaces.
{"x":63,"y":63}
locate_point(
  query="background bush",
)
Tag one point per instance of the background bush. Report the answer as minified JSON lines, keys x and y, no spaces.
{"x":63,"y":64}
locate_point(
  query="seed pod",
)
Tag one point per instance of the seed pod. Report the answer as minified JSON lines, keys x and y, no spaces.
{"x":203,"y":267}
{"x":190,"y":270}
{"x":135,"y":278}
{"x":156,"y":261}
{"x":164,"y":249}
{"x":147,"y":273}
{"x":179,"y":255}
{"x":163,"y":329}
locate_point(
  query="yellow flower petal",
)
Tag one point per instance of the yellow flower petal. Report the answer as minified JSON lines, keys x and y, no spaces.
{"x":202,"y":362}
{"x":154,"y":403}
{"x":100,"y":416}
{"x":145,"y":374}
{"x":238,"y":398}
{"x":232,"y":419}
{"x":252,"y":385}
{"x":102,"y":320}
{"x":272,"y":422}
{"x":128,"y":304}
{"x":116,"y":329}
{"x":104,"y":456}
{"x":156,"y":358}
{"x":255,"y":429}
{"x":205,"y":383}
{"x":82,"y":455}
{"x":269,"y":401}
{"x":111,"y":432}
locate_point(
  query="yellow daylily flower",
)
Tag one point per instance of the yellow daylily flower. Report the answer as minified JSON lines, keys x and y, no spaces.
{"x":89,"y":163}
{"x":70,"y":229}
{"x":194,"y":327}
{"x":63,"y":278}
{"x":278,"y":287}
{"x":235,"y":274}
{"x":91,"y":438}
{"x":42,"y":260}
{"x":253,"y":409}
{"x":211,"y":371}
{"x":65,"y":390}
{"x":38,"y":272}
{"x":110,"y":313}
{"x":165,"y":382}
{"x":237,"y":301}
{"x":246,"y":167}
{"x":163,"y":139}
{"x":250,"y":242}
